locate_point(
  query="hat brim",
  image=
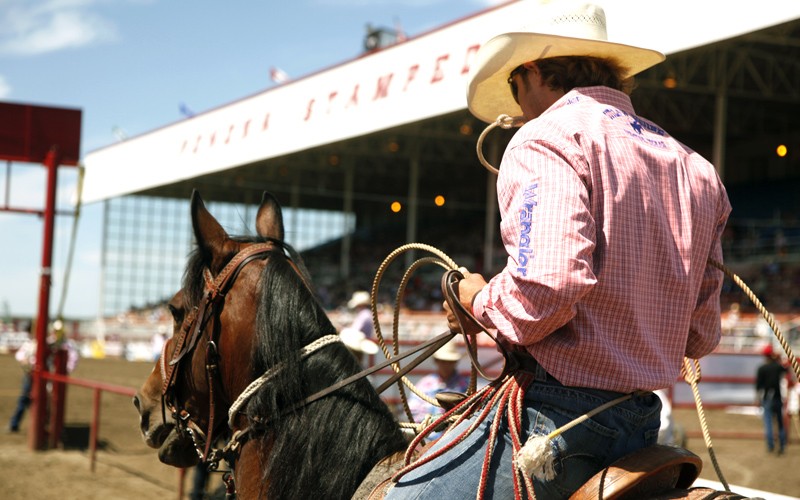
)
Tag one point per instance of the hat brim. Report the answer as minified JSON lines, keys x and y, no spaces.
{"x":448,"y":357}
{"x":488,"y":93}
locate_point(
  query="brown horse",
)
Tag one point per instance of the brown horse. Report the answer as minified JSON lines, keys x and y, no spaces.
{"x":251,"y":339}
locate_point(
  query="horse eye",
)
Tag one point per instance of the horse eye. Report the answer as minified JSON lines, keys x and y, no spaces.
{"x":177,"y":313}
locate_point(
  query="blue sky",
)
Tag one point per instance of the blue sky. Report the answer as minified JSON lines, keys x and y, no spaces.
{"x":129,"y":65}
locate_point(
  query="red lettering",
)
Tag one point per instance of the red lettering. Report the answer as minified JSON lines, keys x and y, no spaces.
{"x":354,"y":97}
{"x":471,"y":51}
{"x":265,"y":125}
{"x":246,"y":128}
{"x":383,"y":86}
{"x":331,"y":98}
{"x":212,"y":138}
{"x":183,"y":146}
{"x":197,"y":143}
{"x":230,"y":132}
{"x":438,"y":74}
{"x":308,"y":110}
{"x":412,"y":73}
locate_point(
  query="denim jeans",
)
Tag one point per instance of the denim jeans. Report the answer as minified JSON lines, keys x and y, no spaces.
{"x":23,"y":401}
{"x":579,"y":452}
{"x":773,"y":410}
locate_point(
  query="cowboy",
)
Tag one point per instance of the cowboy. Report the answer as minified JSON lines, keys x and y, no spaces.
{"x":608,"y":223}
{"x":362,"y":320}
{"x":446,"y":378}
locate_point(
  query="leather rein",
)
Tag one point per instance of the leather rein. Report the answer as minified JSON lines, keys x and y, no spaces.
{"x":195,"y":324}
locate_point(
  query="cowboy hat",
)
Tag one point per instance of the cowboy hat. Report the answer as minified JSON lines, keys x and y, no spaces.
{"x":355,"y":340}
{"x":360,"y":298}
{"x":447,"y":352}
{"x":564,"y":28}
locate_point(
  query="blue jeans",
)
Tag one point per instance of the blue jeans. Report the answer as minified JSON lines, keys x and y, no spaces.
{"x":773,"y":410}
{"x":23,"y":401}
{"x":580,"y":452}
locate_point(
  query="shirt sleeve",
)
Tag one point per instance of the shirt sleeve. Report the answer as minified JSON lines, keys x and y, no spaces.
{"x":705,"y":328}
{"x":549,"y":235}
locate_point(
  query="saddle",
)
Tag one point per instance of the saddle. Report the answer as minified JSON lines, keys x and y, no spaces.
{"x":657,"y":472}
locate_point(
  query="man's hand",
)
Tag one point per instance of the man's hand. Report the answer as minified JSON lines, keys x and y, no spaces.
{"x":467,"y":289}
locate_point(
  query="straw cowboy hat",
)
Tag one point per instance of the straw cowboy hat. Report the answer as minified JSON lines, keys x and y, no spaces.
{"x":448,"y":352}
{"x":563,"y":28}
{"x":355,"y":340}
{"x":360,"y":298}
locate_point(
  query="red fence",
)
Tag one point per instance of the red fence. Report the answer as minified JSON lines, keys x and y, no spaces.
{"x":57,"y":408}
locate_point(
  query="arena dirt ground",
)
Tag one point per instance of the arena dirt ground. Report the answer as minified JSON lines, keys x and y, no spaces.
{"x":127,"y":469}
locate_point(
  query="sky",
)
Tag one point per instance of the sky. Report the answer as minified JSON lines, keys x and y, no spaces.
{"x":132,"y":66}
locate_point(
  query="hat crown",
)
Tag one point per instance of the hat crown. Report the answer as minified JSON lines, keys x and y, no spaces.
{"x":581,"y":21}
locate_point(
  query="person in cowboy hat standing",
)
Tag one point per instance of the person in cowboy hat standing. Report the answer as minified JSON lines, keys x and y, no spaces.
{"x":446,"y":378}
{"x":608,"y":223}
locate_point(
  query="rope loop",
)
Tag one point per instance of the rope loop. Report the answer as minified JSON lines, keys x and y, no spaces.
{"x":503,"y":121}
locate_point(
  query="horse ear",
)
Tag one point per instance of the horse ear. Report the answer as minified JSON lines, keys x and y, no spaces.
{"x":210,"y":235}
{"x":269,"y":219}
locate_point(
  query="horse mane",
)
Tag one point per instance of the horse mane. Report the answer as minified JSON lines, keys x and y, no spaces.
{"x":325,"y":449}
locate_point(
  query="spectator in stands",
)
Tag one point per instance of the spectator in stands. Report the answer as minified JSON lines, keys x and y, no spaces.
{"x":445,"y":378}
{"x":768,"y":389}
{"x":157,"y":341}
{"x":362,"y":321}
{"x":358,"y":343}
{"x":606,"y":286}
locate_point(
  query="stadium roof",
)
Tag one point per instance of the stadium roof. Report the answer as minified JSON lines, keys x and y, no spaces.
{"x":405,"y":105}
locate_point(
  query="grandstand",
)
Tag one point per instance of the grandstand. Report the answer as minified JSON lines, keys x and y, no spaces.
{"x":400,"y":136}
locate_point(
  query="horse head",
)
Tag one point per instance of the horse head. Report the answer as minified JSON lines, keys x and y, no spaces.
{"x":250,"y":343}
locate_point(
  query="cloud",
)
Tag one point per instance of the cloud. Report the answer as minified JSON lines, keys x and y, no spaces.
{"x":37,"y":27}
{"x":5,"y":88}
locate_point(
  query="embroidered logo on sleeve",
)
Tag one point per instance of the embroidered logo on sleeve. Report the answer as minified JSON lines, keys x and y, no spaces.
{"x":525,"y":254}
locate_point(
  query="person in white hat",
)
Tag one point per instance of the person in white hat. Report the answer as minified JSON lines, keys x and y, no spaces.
{"x":362,"y":321}
{"x":358,"y":343}
{"x":445,"y":378}
{"x":608,"y":223}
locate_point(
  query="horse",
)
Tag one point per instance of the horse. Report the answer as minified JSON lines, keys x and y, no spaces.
{"x":252,"y":354}
{"x":236,"y":318}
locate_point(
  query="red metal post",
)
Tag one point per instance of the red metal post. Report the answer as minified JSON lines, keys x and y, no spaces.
{"x":94,"y":430}
{"x":36,"y":436}
{"x":58,"y":398}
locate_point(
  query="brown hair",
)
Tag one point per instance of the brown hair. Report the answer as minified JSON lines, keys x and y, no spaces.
{"x":568,"y":72}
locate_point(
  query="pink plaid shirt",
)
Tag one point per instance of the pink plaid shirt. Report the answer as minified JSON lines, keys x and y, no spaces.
{"x":608,"y":223}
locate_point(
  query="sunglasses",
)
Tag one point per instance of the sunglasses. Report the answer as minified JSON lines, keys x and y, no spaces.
{"x":514,"y":90}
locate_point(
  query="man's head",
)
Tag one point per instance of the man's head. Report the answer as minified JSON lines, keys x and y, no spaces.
{"x":769,"y":352}
{"x":564,"y":44}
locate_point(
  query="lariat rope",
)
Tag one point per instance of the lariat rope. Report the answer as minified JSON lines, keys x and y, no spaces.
{"x":764,"y":313}
{"x":256,"y":384}
{"x":441,"y":259}
{"x":691,"y":373}
{"x":503,"y":121}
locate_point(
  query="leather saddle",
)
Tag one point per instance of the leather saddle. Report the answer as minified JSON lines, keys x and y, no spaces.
{"x":657,"y":472}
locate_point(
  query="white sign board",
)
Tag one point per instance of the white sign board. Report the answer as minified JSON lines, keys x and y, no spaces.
{"x":411,"y":81}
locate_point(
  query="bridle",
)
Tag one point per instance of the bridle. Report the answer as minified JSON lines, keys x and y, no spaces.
{"x":186,"y":342}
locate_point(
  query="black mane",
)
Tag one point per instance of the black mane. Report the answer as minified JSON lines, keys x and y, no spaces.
{"x":325,"y":449}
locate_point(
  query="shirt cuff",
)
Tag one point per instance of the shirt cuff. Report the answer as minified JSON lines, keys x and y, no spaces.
{"x":477,"y":306}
